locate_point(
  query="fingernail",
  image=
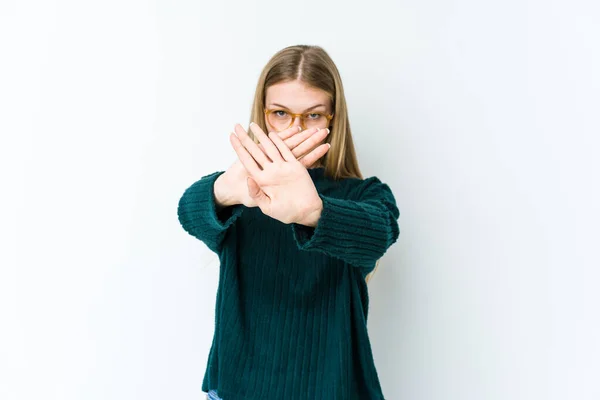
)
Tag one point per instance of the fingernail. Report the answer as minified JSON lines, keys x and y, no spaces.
{"x":328,"y":131}
{"x":251,"y":123}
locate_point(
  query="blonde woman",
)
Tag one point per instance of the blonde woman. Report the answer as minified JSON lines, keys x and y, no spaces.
{"x":298,"y":232}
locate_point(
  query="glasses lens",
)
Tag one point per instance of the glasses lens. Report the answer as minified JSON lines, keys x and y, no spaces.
{"x":280,"y":119}
{"x":314,"y":120}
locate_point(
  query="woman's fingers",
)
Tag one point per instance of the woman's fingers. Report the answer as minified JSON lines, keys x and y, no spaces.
{"x":252,"y":147}
{"x":298,"y":138}
{"x":307,"y":143}
{"x":314,"y":155}
{"x":289,"y":132}
{"x":301,"y":144}
{"x":283,"y":149}
{"x":268,"y":145}
{"x":244,"y":156}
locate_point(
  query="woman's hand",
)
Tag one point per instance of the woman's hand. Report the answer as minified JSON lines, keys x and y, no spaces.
{"x":231,"y":187}
{"x":279,"y":183}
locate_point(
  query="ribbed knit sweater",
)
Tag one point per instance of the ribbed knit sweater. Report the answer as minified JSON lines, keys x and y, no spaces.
{"x":292,"y":301}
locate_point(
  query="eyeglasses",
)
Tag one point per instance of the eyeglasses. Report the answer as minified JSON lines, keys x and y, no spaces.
{"x":282,"y":119}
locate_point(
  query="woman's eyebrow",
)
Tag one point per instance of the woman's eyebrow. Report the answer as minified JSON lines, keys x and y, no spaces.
{"x":310,"y":108}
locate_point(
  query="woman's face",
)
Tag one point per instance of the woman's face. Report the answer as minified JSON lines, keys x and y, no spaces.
{"x":297,"y":97}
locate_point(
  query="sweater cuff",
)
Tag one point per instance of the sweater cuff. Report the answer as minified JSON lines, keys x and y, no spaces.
{"x":354,"y":231}
{"x":198,"y":213}
{"x":225,"y":216}
{"x":221,"y":219}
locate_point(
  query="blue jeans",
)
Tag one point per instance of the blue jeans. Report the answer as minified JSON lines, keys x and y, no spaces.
{"x":212,"y":395}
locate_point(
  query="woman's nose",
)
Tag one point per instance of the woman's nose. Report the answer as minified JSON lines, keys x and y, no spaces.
{"x":297,"y":122}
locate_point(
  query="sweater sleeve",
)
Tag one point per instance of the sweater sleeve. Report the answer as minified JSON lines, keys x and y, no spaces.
{"x":198,"y":214}
{"x":357,"y":231}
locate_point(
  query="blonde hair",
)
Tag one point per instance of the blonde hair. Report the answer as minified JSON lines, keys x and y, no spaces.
{"x":313,"y":66}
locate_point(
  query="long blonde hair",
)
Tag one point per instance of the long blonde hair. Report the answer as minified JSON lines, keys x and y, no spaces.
{"x":314,"y":67}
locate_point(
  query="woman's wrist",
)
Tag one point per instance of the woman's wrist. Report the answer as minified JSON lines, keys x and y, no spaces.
{"x":221,"y":199}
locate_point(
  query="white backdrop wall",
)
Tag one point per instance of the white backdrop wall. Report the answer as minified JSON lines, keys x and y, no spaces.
{"x":481,"y":116}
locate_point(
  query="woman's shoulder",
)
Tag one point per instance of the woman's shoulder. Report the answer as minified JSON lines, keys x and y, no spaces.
{"x":372,"y":186}
{"x":355,"y":188}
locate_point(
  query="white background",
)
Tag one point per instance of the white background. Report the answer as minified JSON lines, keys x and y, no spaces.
{"x":482,"y":116}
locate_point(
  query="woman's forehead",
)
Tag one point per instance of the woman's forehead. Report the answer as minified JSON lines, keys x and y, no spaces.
{"x":295,"y":96}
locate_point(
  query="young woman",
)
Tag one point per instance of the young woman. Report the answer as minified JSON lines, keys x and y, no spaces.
{"x":297,"y":230}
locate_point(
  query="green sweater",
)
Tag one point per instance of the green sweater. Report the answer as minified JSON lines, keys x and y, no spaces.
{"x":292,"y":302}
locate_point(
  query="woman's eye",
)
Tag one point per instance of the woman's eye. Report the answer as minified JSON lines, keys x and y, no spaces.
{"x":280,"y":115}
{"x":314,"y":115}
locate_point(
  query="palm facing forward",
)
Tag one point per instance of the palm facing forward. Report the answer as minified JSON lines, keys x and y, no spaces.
{"x":283,"y":188}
